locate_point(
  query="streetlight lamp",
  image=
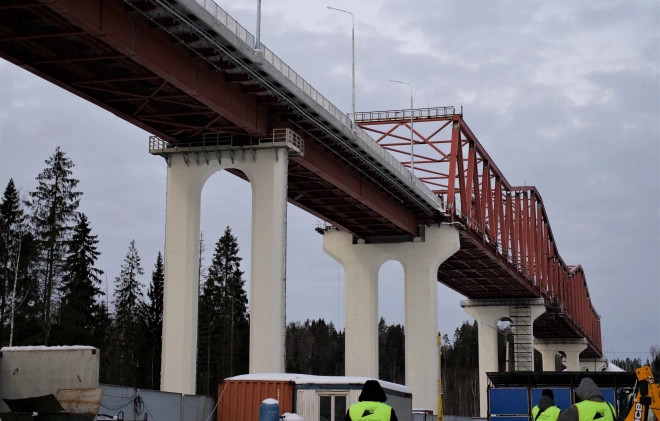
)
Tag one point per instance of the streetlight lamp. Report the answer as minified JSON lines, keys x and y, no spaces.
{"x":412,"y":156}
{"x":353,"y":81}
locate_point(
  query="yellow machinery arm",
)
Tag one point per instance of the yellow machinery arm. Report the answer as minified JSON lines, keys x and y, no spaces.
{"x":647,"y":396}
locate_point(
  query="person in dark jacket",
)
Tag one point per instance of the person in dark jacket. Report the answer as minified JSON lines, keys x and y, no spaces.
{"x":546,"y":410}
{"x":370,"y":406}
{"x":590,"y":405}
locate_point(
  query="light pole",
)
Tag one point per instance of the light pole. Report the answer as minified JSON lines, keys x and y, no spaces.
{"x":257,"y":42}
{"x":412,"y":156}
{"x":353,"y":64}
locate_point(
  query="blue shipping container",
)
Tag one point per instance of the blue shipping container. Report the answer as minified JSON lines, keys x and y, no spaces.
{"x":562,"y":397}
{"x":508,"y":401}
{"x":609,"y":396}
{"x":509,"y":418}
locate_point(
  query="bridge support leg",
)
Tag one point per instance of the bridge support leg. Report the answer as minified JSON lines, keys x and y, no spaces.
{"x":361,"y":263}
{"x":570,"y":347}
{"x":421,"y":260}
{"x":488,"y":313}
{"x":267,"y":173}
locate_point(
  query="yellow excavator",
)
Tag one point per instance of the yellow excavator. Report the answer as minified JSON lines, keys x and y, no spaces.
{"x":646,"y":397}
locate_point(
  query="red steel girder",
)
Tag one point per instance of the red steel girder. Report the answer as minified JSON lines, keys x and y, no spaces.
{"x":509,"y":222}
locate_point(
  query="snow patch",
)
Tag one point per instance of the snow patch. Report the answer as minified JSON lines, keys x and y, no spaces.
{"x":308,"y":379}
{"x":270,"y":401}
{"x":291,"y":417}
{"x":46,"y":348}
{"x":612,"y":367}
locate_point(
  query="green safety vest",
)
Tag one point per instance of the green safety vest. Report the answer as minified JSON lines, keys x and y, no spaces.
{"x":588,"y":410}
{"x":549,"y":414}
{"x":370,"y":411}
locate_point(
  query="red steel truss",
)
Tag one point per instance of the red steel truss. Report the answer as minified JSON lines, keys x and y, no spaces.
{"x":509,"y":222}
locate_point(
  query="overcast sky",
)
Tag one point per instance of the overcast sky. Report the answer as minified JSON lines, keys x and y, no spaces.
{"x":564,"y":95}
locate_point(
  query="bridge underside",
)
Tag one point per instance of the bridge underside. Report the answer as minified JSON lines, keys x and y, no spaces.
{"x":478,"y":274}
{"x":111,"y":55}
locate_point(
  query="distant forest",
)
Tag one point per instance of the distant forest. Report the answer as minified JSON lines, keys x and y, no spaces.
{"x":50,"y":295}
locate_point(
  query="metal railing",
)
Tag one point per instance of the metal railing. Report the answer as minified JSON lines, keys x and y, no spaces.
{"x":292,"y":139}
{"x":223,"y":18}
{"x":208,"y":141}
{"x":398,"y":115}
{"x":213,"y":141}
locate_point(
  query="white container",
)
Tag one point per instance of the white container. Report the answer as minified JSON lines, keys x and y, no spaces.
{"x":30,"y":371}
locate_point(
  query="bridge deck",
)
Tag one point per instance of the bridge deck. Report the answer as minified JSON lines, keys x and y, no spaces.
{"x":184,"y":69}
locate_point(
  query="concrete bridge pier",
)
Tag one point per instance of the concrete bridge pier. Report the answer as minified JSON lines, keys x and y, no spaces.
{"x":487,"y":313}
{"x":420,"y":259}
{"x":266,"y":170}
{"x":571,"y":348}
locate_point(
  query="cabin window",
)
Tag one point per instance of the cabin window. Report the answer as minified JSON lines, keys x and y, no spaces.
{"x":332,"y":407}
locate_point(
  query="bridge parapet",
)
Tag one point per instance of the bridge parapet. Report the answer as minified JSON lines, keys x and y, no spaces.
{"x":350,"y":138}
{"x":282,"y":138}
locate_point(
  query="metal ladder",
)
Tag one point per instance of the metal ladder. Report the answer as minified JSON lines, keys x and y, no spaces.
{"x":523,"y":343}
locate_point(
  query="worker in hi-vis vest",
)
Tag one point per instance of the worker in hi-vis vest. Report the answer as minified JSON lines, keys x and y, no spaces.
{"x":590,"y":405}
{"x":370,"y":406}
{"x":546,"y":410}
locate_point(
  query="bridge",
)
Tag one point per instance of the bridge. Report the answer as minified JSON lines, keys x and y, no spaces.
{"x":187,"y":72}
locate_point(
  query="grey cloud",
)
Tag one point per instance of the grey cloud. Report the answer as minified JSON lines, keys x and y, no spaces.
{"x":596,"y":165}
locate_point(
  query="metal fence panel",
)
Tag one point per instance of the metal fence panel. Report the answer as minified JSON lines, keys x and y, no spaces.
{"x":160,"y":406}
{"x":198,"y":407}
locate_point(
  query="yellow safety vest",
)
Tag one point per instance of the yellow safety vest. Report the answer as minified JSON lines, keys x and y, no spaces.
{"x":550,"y":414}
{"x":370,"y":411}
{"x":587,"y":411}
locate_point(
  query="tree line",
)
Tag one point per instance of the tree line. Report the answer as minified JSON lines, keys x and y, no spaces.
{"x":50,"y":294}
{"x":632,"y":364}
{"x":50,"y":288}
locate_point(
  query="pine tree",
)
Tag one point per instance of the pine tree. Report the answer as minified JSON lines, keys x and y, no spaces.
{"x":53,"y":206}
{"x":11,"y":231}
{"x":153,"y":317}
{"x":79,"y":309}
{"x":128,"y":318}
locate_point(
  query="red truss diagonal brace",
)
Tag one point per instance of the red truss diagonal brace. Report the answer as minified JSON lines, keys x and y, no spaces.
{"x":510,"y":221}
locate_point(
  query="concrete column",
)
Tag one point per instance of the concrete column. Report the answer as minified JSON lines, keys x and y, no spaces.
{"x":488,"y":313}
{"x":421,"y":260}
{"x":487,"y":318}
{"x":267,"y":172}
{"x":268,"y":177}
{"x":361,"y":263}
{"x":570,"y":347}
{"x":180,"y":296}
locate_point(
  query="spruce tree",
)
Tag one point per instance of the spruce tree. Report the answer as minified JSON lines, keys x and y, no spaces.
{"x":223,"y":329}
{"x":79,"y":309}
{"x":53,"y":205}
{"x":128,"y":318}
{"x":153,"y":318}
{"x":206,"y":321}
{"x":27,"y":320}
{"x":11,"y":232}
{"x":225,"y":271}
